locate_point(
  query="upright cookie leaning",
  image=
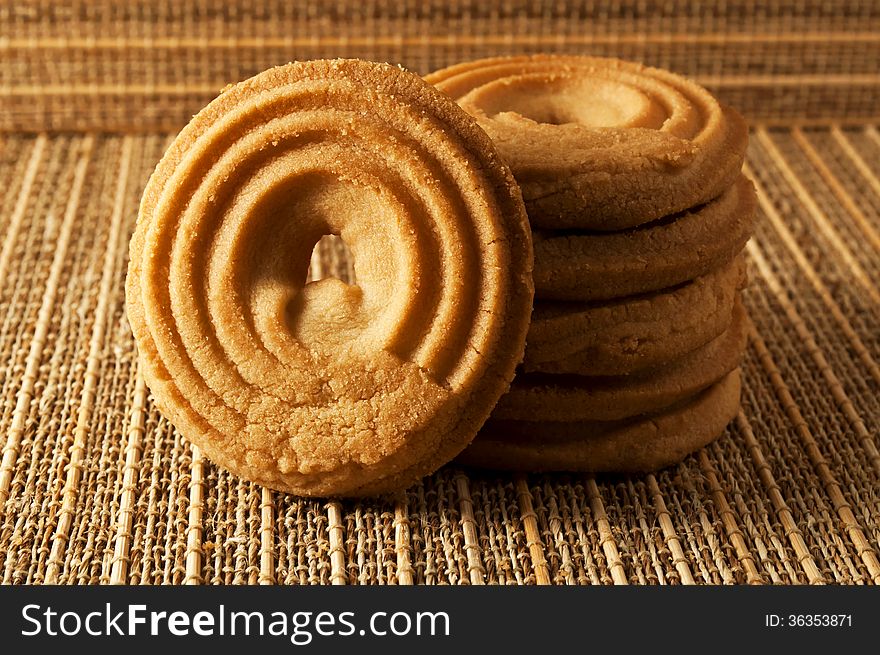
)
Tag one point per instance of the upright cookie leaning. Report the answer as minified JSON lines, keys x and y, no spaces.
{"x":325,"y":388}
{"x":600,"y":143}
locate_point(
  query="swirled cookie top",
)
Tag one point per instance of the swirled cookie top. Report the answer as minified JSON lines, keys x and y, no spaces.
{"x":588,"y":137}
{"x":327,"y":387}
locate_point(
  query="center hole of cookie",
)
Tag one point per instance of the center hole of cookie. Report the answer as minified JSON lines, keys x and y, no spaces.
{"x":562,"y":100}
{"x":327,"y":251}
{"x":331,"y":258}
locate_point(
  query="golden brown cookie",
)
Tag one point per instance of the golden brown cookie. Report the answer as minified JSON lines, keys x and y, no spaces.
{"x":617,"y":337}
{"x":545,"y":397}
{"x":327,"y":388}
{"x":601,"y":143}
{"x":598,"y":266}
{"x":631,"y":446}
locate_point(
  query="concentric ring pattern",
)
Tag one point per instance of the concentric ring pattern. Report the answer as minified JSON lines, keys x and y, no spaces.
{"x":328,"y":388}
{"x":600,"y":143}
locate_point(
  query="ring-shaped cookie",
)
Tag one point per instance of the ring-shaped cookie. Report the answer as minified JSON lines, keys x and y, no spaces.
{"x":634,"y":445}
{"x":330,"y":388}
{"x":618,"y":337}
{"x":600,"y":143}
{"x":562,"y":398}
{"x":659,"y":255}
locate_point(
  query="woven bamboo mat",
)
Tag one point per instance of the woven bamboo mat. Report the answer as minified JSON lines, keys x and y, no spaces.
{"x":97,"y":487}
{"x":151,"y":64}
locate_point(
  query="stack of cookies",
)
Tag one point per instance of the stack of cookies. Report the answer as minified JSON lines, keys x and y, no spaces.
{"x":631,"y":178}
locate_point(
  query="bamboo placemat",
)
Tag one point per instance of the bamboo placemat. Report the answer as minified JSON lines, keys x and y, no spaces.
{"x":151,"y":64}
{"x":97,"y":487}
